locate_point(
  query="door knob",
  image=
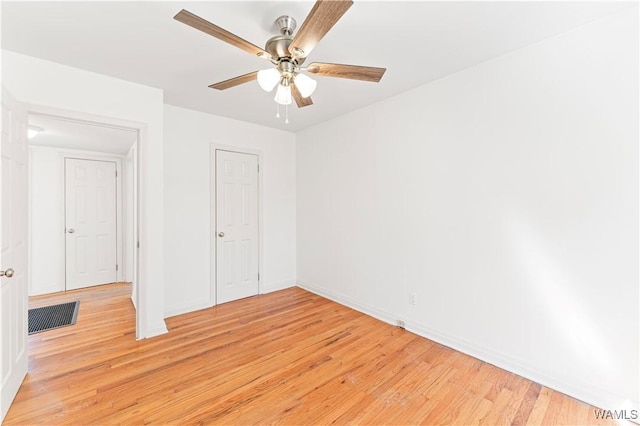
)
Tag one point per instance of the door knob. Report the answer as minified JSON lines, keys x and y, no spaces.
{"x":220,"y":234}
{"x":71,"y":230}
{"x":8,"y":273}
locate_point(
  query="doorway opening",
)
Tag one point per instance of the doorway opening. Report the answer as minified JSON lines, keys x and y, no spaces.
{"x":83,"y":204}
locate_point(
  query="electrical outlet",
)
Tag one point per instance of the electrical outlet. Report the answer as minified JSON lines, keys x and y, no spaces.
{"x":413,"y":299}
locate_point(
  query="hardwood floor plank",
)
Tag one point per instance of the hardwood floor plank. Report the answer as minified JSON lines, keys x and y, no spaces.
{"x":289,"y":357}
{"x":527,"y":404}
{"x":540,"y":407}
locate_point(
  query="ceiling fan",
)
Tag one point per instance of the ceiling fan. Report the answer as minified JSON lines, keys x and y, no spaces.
{"x":288,"y":52}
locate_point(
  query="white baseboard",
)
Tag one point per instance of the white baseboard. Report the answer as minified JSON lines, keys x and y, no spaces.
{"x":343,"y":300}
{"x":46,"y":290}
{"x":581,"y":391}
{"x":156,"y":330}
{"x":186,"y":308}
{"x":197,"y":305}
{"x":271,"y":287}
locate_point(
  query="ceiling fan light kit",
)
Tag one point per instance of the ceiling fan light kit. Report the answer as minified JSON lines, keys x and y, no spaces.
{"x":283,"y":94}
{"x":268,"y":79}
{"x":306,"y":85}
{"x":288,"y":52}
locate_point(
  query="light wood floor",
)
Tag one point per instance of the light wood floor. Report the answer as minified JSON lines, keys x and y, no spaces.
{"x":288,"y":357}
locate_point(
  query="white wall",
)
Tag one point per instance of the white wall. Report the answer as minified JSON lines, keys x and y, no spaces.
{"x":45,"y":85}
{"x":506,"y":198}
{"x":47,"y":216}
{"x":188,"y":136}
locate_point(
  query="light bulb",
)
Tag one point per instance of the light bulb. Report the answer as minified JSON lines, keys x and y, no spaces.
{"x":267,"y":79}
{"x":283,"y":95}
{"x":305,"y":85}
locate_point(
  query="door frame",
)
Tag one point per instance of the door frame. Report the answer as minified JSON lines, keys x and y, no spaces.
{"x":212,"y":221}
{"x":107,"y":158}
{"x":140,"y":286}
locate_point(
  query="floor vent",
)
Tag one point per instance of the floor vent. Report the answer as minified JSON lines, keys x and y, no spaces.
{"x":50,"y":317}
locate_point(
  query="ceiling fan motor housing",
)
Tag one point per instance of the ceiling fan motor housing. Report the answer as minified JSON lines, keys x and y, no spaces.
{"x":278,"y":46}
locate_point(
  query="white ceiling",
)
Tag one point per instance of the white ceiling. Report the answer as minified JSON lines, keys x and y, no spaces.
{"x":417,"y":42}
{"x":63,"y":133}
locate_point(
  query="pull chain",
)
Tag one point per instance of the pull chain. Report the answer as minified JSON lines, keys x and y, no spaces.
{"x":286,"y":112}
{"x":277,"y":110}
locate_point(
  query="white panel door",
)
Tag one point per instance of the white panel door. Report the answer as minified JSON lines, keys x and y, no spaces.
{"x":13,"y":250}
{"x":90,"y":215}
{"x":236,"y":225}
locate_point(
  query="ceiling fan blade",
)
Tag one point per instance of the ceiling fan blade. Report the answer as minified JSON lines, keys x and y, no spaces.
{"x":354,"y":72}
{"x":205,"y":26}
{"x":235,"y":81}
{"x":321,"y":19}
{"x":300,"y":101}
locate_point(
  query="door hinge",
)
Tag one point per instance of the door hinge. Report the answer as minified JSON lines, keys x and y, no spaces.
{"x":258,"y":276}
{"x":116,"y":267}
{"x":138,"y":244}
{"x":258,"y":168}
{"x":116,"y":173}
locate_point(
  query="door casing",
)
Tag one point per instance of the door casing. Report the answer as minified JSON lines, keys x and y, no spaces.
{"x":141,"y":286}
